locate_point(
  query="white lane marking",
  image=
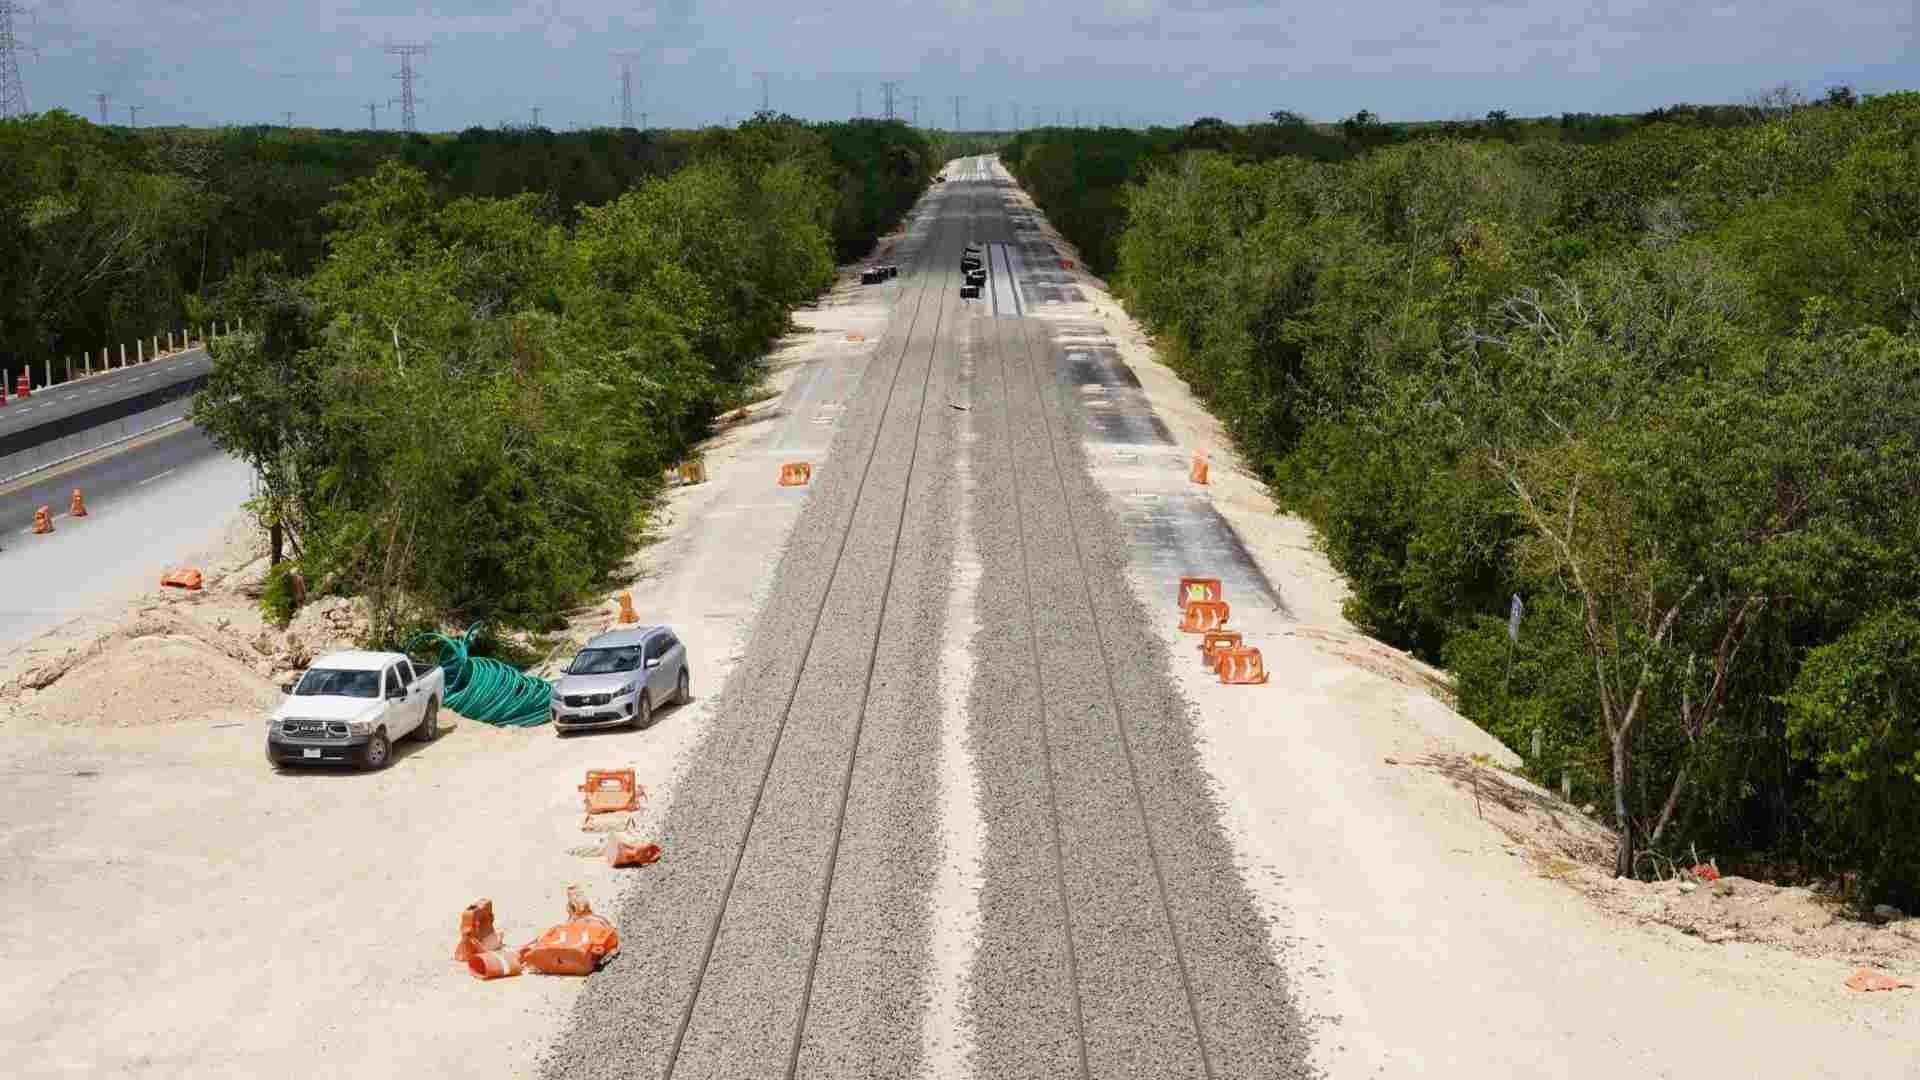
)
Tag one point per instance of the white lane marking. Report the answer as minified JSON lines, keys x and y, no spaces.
{"x":156,"y":476}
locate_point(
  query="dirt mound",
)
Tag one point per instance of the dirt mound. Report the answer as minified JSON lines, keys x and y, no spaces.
{"x":329,"y":624}
{"x":150,"y":680}
{"x":1736,"y":909}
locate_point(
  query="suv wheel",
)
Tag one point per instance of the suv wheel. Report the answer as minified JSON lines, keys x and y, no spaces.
{"x":378,"y":751}
{"x":684,"y":693}
{"x":643,"y":710}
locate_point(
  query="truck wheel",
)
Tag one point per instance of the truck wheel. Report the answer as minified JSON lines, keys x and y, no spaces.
{"x":643,"y":712}
{"x":429,"y":728}
{"x":684,"y":693}
{"x":378,"y":751}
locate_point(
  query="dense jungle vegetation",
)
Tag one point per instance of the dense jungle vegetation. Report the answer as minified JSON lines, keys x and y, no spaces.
{"x":468,"y":359}
{"x":1658,"y":377}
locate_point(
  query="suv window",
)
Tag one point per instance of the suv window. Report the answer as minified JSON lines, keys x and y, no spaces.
{"x":404,"y":669}
{"x":394,"y":679}
{"x":657,"y":646}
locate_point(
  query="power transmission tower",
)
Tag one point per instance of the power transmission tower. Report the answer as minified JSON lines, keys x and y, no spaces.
{"x":13,"y":92}
{"x":101,"y":100}
{"x":643,"y":121}
{"x":859,"y":101}
{"x":536,"y":116}
{"x":957,"y":100}
{"x":916,"y":99}
{"x":765,"y":100}
{"x":1016,"y":115}
{"x":289,"y":117}
{"x":627,"y":60}
{"x":889,"y":91}
{"x":406,"y":53}
{"x":133,"y":115}
{"x":373,"y":123}
{"x":990,"y":116}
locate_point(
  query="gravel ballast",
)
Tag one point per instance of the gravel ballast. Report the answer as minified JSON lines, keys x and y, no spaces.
{"x":1115,"y":936}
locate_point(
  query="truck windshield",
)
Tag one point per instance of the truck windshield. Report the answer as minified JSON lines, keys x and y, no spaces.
{"x":332,"y":683}
{"x":605,"y":661}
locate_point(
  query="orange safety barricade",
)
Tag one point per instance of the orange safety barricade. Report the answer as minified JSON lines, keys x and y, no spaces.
{"x":184,"y":577}
{"x":691,"y":472}
{"x":795,"y":474}
{"x":1241,"y":666}
{"x":627,"y":614}
{"x":1200,"y":616}
{"x":611,"y":791}
{"x":499,"y":964}
{"x":1066,"y":264}
{"x":575,"y":947}
{"x":856,"y":337}
{"x":1198,"y":588}
{"x":624,"y":852}
{"x":77,"y":506}
{"x":42,"y":521}
{"x":477,"y":934}
{"x":1216,"y":642}
{"x":1197,"y":472}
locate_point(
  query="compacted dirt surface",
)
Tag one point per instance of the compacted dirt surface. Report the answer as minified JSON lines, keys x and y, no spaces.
{"x":955,"y":798}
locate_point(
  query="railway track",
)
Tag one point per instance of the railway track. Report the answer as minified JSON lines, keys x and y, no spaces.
{"x":787,"y":932}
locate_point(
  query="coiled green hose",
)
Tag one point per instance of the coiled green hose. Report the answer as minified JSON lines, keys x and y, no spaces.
{"x":487,"y":690}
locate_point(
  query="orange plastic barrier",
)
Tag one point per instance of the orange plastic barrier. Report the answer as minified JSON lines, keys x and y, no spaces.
{"x":575,"y":947}
{"x":856,"y":337}
{"x":1198,"y":588}
{"x":1216,"y":642}
{"x":1066,"y":264}
{"x":691,"y":472}
{"x":42,"y":521}
{"x":77,"y":507}
{"x":627,"y":614}
{"x":1200,"y":616}
{"x":1868,"y":980}
{"x":23,"y":386}
{"x":477,"y":934}
{"x":1197,"y":472}
{"x":1241,"y":666}
{"x":185,"y":577}
{"x":611,"y":791}
{"x":624,"y":852}
{"x":501,"y":964}
{"x":795,"y":474}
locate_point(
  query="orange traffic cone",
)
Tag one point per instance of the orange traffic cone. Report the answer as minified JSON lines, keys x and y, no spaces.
{"x":1197,"y":472}
{"x":627,"y":614}
{"x":77,"y":507}
{"x":42,"y":521}
{"x":795,"y":474}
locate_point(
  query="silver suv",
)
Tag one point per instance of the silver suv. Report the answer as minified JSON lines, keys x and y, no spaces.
{"x":620,"y":678}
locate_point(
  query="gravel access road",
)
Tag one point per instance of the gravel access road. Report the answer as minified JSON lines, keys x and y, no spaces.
{"x":787,"y":931}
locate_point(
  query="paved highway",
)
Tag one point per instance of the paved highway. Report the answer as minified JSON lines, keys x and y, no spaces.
{"x":150,"y":504}
{"x":789,"y":931}
{"x":45,"y":406}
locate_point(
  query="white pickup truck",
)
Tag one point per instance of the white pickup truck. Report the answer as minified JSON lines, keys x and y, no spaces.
{"x":351,"y":707}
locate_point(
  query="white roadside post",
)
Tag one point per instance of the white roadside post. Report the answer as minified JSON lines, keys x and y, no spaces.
{"x":140,"y":351}
{"x":169,"y":341}
{"x":123,"y":354}
{"x":46,"y":372}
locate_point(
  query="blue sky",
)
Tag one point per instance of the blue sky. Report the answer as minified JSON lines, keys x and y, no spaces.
{"x":230,"y":62}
